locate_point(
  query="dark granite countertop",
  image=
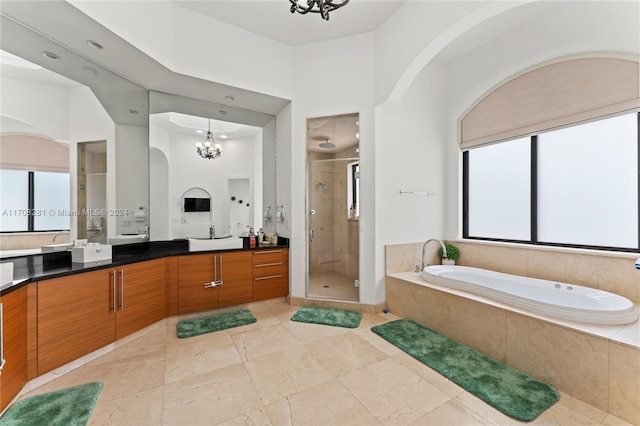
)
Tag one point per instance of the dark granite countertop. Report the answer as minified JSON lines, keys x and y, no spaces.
{"x":45,"y":266}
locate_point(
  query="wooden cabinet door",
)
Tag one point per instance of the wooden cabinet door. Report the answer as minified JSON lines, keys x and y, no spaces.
{"x":75,"y":317}
{"x":236,"y":276}
{"x":195,"y":272}
{"x":141,"y":290}
{"x":14,"y":321}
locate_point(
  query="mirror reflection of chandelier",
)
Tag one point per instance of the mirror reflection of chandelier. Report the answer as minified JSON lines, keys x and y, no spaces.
{"x":210,"y":149}
{"x":323,"y":6}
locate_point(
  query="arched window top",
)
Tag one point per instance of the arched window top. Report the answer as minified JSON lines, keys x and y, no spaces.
{"x":552,"y":96}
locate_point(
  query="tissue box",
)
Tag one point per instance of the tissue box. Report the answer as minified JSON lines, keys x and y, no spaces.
{"x":91,"y":253}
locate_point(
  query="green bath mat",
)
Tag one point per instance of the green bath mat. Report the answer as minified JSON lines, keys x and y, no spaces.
{"x":326,"y":316}
{"x":510,"y":391}
{"x":209,"y":324}
{"x":67,"y":407}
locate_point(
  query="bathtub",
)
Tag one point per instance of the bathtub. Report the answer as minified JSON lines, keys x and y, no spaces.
{"x":559,"y":300}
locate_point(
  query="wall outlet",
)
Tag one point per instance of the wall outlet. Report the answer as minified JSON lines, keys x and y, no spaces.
{"x":126,"y":222}
{"x":357,"y":283}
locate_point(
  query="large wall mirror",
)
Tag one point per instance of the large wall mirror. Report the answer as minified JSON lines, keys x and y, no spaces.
{"x":73,"y":147}
{"x":199,"y":197}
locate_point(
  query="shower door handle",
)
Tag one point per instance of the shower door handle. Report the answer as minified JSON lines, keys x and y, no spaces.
{"x":311,"y":235}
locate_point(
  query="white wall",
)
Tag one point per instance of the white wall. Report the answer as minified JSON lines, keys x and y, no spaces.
{"x":193,"y":44}
{"x":348,"y":63}
{"x":42,"y":106}
{"x":410,"y":140}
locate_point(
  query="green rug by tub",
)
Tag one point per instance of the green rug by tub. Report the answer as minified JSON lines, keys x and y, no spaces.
{"x":67,"y":407}
{"x":512,"y":392}
{"x":326,"y":316}
{"x":211,"y":323}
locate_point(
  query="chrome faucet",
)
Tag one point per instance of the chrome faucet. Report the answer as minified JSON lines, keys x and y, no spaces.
{"x":444,"y":249}
{"x":55,"y":236}
{"x":212,"y":232}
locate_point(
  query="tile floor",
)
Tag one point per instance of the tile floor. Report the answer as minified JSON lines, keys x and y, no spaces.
{"x":333,"y":286}
{"x":279,"y":372}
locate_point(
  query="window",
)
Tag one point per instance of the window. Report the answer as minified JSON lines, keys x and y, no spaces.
{"x":575,"y":187}
{"x":34,"y":201}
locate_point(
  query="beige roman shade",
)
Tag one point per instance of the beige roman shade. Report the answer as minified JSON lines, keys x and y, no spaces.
{"x":552,"y":96}
{"x":24,"y":152}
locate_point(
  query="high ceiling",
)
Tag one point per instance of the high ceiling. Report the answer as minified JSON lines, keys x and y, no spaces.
{"x":273,"y":19}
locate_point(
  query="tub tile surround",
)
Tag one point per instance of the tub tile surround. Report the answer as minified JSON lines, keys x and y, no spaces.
{"x":597,"y":364}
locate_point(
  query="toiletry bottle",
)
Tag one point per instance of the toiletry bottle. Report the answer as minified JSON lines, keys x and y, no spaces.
{"x":252,"y":240}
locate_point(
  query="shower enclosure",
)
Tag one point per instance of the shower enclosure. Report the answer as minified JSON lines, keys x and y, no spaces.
{"x":332,"y":198}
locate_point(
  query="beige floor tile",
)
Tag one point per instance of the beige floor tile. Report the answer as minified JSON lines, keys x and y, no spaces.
{"x":125,"y":380}
{"x":263,"y":341}
{"x":345,"y":353}
{"x":286,"y":373}
{"x":257,"y":417}
{"x":378,"y":342}
{"x":483,"y":411}
{"x":614,"y":421}
{"x":451,"y":413}
{"x":571,"y":411}
{"x":393,"y":393}
{"x":61,"y":382}
{"x":144,"y":408}
{"x":326,"y":404}
{"x":200,"y":355}
{"x":332,"y":285}
{"x":283,"y":311}
{"x":210,"y":398}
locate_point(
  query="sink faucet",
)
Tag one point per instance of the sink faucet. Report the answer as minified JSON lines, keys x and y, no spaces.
{"x":212,"y":232}
{"x":55,"y":236}
{"x":444,"y":249}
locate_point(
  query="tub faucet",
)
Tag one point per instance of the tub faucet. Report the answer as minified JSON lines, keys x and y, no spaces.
{"x":444,"y":249}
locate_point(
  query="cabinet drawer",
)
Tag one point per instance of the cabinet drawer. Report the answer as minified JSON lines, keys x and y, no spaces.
{"x":267,"y":270}
{"x":267,"y":288}
{"x":267,"y":256}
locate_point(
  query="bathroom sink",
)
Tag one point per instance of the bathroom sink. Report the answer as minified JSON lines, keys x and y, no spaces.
{"x":49,"y":248}
{"x":197,"y":244}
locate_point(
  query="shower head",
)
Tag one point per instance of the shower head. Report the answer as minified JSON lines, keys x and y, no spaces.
{"x":327,"y":145}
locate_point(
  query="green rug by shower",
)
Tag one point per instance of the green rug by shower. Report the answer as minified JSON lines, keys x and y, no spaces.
{"x":512,"y":392}
{"x":326,"y":316}
{"x":209,"y":324}
{"x":67,"y":407}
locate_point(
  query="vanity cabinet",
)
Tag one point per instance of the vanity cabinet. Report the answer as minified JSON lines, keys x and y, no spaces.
{"x":81,"y":313}
{"x":13,"y":375}
{"x":76,"y":316}
{"x":140,"y":297}
{"x":209,"y":281}
{"x":269,"y":274}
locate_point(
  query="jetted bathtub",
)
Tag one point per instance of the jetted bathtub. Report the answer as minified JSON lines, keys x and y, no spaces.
{"x":559,"y":300}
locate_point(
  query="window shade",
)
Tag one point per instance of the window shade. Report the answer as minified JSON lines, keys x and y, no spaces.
{"x":552,"y":96}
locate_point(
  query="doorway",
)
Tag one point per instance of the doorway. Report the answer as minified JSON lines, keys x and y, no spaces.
{"x":332,"y":199}
{"x":92,"y":191}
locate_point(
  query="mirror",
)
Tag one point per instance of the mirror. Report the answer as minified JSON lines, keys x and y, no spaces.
{"x":238,"y":187}
{"x":55,"y":102}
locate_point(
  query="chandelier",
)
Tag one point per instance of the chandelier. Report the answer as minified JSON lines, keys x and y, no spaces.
{"x":210,"y":149}
{"x":323,"y":7}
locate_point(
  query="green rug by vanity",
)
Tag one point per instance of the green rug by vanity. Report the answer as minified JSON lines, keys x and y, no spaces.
{"x":326,"y":316}
{"x":510,"y":391}
{"x":197,"y":326}
{"x":67,"y":407}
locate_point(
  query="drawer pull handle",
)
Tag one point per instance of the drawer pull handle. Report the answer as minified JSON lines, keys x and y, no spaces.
{"x":262,"y":265}
{"x":269,"y":277}
{"x":267,"y":252}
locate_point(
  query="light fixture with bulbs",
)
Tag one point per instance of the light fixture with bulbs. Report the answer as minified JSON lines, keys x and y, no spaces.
{"x":323,"y":7}
{"x":210,"y":149}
